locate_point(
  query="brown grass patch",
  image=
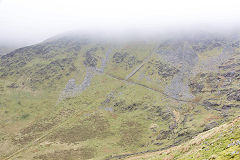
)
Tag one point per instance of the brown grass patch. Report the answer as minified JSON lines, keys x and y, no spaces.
{"x":72,"y":154}
{"x":131,"y":133}
{"x":211,"y":117}
{"x":94,"y":126}
{"x":197,"y":99}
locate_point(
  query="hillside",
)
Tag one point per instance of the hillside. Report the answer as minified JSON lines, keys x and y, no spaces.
{"x":6,"y":49}
{"x":72,"y":97}
{"x":220,"y":143}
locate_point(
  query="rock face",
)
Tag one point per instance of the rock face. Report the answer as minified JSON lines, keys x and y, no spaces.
{"x":178,"y":53}
{"x":91,"y":60}
{"x":182,"y":55}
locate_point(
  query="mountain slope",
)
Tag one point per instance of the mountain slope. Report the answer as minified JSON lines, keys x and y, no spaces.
{"x":75,"y":98}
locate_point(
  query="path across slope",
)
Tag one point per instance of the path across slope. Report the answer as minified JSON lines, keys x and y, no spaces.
{"x":149,"y":88}
{"x":138,"y":67}
{"x":134,"y":71}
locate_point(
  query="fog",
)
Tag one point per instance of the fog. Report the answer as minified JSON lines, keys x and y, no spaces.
{"x":32,"y":21}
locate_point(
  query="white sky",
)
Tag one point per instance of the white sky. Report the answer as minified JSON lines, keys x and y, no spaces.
{"x":35,"y":20}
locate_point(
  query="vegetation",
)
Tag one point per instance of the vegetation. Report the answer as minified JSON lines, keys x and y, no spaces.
{"x":113,"y":116}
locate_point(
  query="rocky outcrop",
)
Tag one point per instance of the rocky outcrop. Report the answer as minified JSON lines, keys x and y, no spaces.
{"x":234,"y":95}
{"x":165,"y":70}
{"x":210,"y":105}
{"x":125,"y":59}
{"x":210,"y":126}
{"x":229,"y":106}
{"x":119,"y":57}
{"x":72,"y":89}
{"x":163,"y":135}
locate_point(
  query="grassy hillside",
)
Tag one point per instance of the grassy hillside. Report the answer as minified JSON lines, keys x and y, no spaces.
{"x":220,"y":143}
{"x":74,"y":98}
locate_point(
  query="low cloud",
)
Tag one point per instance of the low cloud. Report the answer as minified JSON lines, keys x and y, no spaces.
{"x":29,"y":21}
